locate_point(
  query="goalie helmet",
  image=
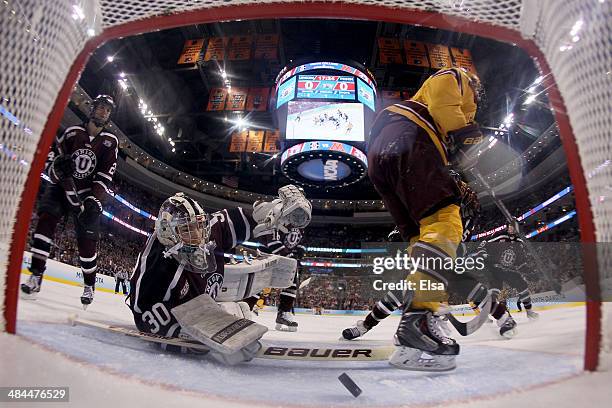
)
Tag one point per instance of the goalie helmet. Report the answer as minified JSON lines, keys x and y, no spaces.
{"x":183,"y":227}
{"x":101,"y":100}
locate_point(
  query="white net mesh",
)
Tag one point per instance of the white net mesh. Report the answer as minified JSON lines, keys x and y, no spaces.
{"x":41,"y":39}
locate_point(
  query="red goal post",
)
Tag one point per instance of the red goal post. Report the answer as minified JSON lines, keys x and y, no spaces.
{"x":45,"y":46}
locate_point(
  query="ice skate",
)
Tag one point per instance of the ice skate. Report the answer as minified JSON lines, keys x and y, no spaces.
{"x":87,"y":296}
{"x":532,"y":315}
{"x":507,"y":326}
{"x":285,"y":322}
{"x":32,"y":286}
{"x":354,"y":332}
{"x":421,"y":345}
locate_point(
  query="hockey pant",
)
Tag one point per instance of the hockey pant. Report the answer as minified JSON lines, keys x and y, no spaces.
{"x":43,"y":240}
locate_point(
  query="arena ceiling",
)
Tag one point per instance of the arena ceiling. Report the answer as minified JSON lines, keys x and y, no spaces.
{"x":145,"y":68}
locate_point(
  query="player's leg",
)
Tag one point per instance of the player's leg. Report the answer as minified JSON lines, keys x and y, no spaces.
{"x":402,"y":161}
{"x":381,"y":310}
{"x":50,"y":210}
{"x":87,"y":233}
{"x":516,"y":280}
{"x":284,"y":317}
{"x":116,"y":285}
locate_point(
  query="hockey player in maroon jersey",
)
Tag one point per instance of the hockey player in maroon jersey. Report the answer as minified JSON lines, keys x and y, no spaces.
{"x":184,"y":259}
{"x":80,"y":167}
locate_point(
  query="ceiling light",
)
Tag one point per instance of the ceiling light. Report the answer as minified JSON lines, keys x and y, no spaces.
{"x":110,"y":58}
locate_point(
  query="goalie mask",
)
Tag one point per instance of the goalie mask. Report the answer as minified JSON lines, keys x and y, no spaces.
{"x":183,"y":227}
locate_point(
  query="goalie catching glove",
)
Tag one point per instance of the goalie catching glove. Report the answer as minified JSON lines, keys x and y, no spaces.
{"x":290,"y":210}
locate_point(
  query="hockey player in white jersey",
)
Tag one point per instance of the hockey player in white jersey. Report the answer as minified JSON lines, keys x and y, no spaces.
{"x":181,"y":272}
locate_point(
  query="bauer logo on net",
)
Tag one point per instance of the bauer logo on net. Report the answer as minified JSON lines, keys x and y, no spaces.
{"x":402,"y":265}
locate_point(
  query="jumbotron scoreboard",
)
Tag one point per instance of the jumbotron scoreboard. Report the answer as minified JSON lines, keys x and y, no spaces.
{"x":324,"y":111}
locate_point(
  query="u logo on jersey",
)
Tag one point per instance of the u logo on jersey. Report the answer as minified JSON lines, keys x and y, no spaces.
{"x":213,"y":284}
{"x":508,"y":257}
{"x":293,"y":238}
{"x":85,"y":163}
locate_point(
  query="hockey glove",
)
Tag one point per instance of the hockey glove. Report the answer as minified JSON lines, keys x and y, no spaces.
{"x":62,"y":168}
{"x":462,"y":140}
{"x":90,"y":214}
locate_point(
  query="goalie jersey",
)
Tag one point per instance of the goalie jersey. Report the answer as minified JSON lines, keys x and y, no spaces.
{"x":159,"y":283}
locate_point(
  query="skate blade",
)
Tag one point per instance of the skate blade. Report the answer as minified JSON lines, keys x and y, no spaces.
{"x":509,"y":334}
{"x":281,"y":327}
{"x":28,"y":296}
{"x":411,"y":359}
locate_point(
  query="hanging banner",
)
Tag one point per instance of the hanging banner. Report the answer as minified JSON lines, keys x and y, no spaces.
{"x":257,"y":100}
{"x":236,"y":99}
{"x":266,"y":47}
{"x":389,"y":51}
{"x":240,"y":48}
{"x":463,"y":59}
{"x":271,"y":143}
{"x":239,"y":141}
{"x":439,"y":56}
{"x":216,"y":99}
{"x":255,"y":142}
{"x":416,"y":53}
{"x":191,"y":51}
{"x":216,"y":48}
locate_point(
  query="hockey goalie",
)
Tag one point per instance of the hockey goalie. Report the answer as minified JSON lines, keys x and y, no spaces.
{"x":181,"y":287}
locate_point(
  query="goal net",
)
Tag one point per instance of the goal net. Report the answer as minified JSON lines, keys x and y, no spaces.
{"x":45,"y":45}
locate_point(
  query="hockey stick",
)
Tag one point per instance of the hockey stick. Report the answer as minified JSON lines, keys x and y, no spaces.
{"x":268,"y":351}
{"x":514,"y":222}
{"x":467,"y":328}
{"x":305,"y":283}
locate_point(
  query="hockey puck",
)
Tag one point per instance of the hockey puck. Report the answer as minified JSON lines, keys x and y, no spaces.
{"x":350,"y":384}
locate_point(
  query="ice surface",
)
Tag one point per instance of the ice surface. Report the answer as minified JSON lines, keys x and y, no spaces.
{"x":107,"y":369}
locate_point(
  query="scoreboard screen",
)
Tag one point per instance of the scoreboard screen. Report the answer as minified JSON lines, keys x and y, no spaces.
{"x":326,"y":87}
{"x":286,"y":92}
{"x":309,"y":120}
{"x":365,"y":94}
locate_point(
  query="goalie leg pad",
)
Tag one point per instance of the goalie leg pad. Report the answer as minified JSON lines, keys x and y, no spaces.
{"x":223,"y":332}
{"x":238,"y":309}
{"x":243,"y":280}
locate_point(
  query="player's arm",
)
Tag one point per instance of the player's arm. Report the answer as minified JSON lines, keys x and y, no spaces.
{"x":59,"y":165}
{"x":236,"y":226}
{"x":102,"y":184}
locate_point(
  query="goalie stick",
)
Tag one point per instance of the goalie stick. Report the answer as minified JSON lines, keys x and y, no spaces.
{"x":269,"y":351}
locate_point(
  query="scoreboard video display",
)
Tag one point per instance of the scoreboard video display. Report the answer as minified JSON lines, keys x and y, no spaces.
{"x":326,"y":87}
{"x":324,"y":111}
